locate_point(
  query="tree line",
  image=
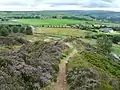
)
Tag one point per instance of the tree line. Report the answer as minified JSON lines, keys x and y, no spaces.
{"x":86,"y":26}
{"x":6,"y":30}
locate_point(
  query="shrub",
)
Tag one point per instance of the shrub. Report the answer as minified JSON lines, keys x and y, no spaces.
{"x":32,"y":67}
{"x":94,"y":69}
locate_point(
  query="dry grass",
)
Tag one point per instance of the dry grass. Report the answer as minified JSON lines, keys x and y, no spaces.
{"x":61,"y":31}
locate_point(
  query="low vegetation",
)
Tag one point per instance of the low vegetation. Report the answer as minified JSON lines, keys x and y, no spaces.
{"x":90,"y":70}
{"x":33,"y":43}
{"x":61,"y":32}
{"x":19,"y":70}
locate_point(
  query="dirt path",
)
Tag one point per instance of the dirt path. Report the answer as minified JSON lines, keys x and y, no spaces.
{"x":61,"y":80}
{"x":61,"y":83}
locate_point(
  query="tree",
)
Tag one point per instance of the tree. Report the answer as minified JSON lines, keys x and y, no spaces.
{"x":22,"y":30}
{"x":29,"y":30}
{"x":116,"y":39}
{"x":4,"y":32}
{"x":15,"y":29}
{"x":104,"y":45}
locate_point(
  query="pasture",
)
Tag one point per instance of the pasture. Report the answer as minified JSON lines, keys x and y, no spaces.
{"x":48,"y":21}
{"x":61,"y":32}
{"x":63,"y":22}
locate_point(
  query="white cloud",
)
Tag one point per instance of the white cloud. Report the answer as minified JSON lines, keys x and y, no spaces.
{"x":24,"y":5}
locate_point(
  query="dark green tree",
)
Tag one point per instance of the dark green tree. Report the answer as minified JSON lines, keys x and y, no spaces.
{"x":116,"y":39}
{"x":22,"y":30}
{"x":29,"y":30}
{"x":104,"y":45}
{"x":15,"y":29}
{"x":4,"y":32}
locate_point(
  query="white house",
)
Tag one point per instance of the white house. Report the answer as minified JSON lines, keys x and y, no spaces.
{"x":107,"y":30}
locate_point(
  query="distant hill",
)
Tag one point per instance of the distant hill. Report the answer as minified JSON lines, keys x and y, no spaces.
{"x":97,"y":14}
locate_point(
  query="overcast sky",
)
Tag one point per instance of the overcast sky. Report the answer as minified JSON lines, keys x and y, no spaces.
{"x":36,"y":5}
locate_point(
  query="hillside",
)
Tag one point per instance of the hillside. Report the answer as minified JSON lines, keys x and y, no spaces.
{"x":32,"y":66}
{"x":59,"y":50}
{"x":90,"y":70}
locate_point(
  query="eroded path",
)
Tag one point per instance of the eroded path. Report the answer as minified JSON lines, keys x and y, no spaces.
{"x":61,"y":79}
{"x":61,"y":83}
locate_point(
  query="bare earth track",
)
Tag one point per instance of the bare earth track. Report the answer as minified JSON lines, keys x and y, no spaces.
{"x":61,"y":83}
{"x":61,"y":80}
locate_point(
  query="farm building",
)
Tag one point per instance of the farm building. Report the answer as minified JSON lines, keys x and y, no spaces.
{"x":106,"y":30}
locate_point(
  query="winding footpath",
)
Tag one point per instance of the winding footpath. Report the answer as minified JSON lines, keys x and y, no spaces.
{"x":61,"y":79}
{"x":61,"y":83}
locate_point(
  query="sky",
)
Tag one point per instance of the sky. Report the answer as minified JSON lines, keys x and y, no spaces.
{"x":40,"y":5}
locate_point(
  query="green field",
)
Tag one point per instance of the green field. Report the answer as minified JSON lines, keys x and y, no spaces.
{"x":63,"y":22}
{"x":48,"y":21}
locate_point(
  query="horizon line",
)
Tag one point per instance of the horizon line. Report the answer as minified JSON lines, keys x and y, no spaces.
{"x":55,"y":10}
